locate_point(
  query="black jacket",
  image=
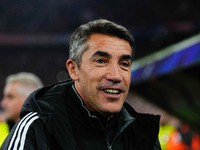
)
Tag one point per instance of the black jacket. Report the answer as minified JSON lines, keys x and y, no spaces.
{"x":55,"y":118}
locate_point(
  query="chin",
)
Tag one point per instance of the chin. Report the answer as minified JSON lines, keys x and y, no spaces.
{"x":113,"y":111}
{"x":111,"y":108}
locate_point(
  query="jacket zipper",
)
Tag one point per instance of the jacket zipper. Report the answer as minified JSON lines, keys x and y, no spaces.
{"x":110,"y":146}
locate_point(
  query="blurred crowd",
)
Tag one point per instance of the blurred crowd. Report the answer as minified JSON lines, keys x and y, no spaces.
{"x":174,"y":134}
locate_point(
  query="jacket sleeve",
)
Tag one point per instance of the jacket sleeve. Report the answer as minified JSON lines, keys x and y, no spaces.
{"x":23,"y":134}
{"x":157,"y":145}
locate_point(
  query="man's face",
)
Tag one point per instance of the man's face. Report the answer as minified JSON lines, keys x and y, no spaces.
{"x":103,"y":78}
{"x":12,"y":101}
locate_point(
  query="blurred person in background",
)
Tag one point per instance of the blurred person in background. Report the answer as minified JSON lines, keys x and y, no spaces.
{"x":176,"y":135}
{"x":168,"y":124}
{"x":88,"y":112}
{"x":18,"y":87}
{"x":183,"y":138}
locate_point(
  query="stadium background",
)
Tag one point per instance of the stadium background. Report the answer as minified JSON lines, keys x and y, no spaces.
{"x":34,"y":37}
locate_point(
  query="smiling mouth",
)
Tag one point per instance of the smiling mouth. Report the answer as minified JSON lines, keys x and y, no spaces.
{"x":112,"y":91}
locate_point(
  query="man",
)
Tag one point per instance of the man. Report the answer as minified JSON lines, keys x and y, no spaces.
{"x":18,"y":87}
{"x":88,"y":112}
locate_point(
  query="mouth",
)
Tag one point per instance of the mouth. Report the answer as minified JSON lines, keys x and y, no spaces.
{"x":112,"y":91}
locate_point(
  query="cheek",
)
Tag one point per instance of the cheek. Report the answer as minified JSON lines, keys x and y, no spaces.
{"x":127,"y":78}
{"x":12,"y":103}
{"x":128,"y":81}
{"x":90,"y":76}
{"x":17,"y":104}
{"x":17,"y":108}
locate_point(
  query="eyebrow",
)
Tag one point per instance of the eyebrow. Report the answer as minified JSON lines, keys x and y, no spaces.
{"x":126,"y":57}
{"x":105,"y":54}
{"x":101,"y":53}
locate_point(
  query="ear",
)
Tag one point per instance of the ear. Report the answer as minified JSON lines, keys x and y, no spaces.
{"x":72,"y":69}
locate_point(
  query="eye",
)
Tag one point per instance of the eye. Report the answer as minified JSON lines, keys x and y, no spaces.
{"x":100,"y":61}
{"x":125,"y":63}
{"x":10,"y":97}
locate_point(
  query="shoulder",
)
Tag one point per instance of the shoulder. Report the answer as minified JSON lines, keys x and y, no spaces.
{"x":23,"y":135}
{"x":148,"y":118}
{"x":52,"y":94}
{"x":145,"y":128}
{"x":59,"y":87}
{"x":143,"y":121}
{"x":47,"y":99}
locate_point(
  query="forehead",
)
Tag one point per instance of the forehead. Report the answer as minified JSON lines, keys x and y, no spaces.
{"x":11,"y":87}
{"x":107,"y":43}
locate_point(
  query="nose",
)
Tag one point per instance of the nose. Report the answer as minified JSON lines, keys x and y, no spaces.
{"x":114,"y":74}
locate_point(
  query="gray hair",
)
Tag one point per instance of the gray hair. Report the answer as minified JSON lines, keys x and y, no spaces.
{"x":29,"y":82}
{"x":78,"y":39}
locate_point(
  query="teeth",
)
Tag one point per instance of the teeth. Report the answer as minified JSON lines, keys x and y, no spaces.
{"x":111,"y":91}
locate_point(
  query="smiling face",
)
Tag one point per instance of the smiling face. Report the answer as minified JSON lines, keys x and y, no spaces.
{"x":103,"y":78}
